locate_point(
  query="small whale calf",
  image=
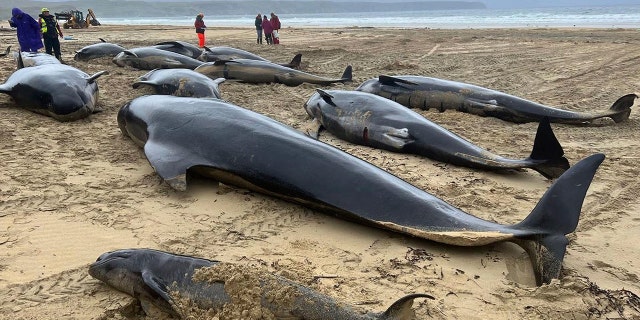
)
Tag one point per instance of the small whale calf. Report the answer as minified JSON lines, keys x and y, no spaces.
{"x":162,"y":279}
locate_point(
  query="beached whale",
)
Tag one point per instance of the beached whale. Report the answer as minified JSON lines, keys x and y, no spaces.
{"x":149,"y":58}
{"x":181,"y":47}
{"x":229,"y":53}
{"x":161,"y":279}
{"x":433,"y":93}
{"x":371,"y":120}
{"x":181,"y":83}
{"x":240,"y":147}
{"x":56,"y":90}
{"x":255,"y":71}
{"x":98,"y":50}
{"x":32,"y":59}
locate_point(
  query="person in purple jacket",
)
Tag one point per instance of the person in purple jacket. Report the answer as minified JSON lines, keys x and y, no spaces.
{"x":28,"y":30}
{"x":267,"y":29}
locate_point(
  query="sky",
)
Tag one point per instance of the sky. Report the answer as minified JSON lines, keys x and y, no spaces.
{"x":489,"y":3}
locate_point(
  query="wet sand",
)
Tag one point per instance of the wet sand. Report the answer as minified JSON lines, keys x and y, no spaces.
{"x":71,"y":191}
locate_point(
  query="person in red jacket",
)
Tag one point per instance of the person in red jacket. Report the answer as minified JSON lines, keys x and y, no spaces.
{"x":275,"y":23}
{"x":200,"y":27}
{"x":267,"y":29}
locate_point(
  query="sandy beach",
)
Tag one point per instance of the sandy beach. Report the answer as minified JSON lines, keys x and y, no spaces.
{"x":72,"y":191}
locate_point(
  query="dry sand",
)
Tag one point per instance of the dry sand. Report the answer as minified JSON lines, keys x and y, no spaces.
{"x":71,"y":191}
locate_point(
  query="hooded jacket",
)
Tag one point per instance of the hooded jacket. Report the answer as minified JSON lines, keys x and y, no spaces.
{"x":28,"y":31}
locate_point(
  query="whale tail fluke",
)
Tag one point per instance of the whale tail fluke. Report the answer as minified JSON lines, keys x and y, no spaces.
{"x":556,"y":214}
{"x":547,"y":148}
{"x":622,"y":107}
{"x":401,"y":309}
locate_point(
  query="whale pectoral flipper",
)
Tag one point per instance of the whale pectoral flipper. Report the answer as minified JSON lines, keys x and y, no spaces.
{"x":393,"y":81}
{"x":396,"y":138}
{"x":158,"y":289}
{"x":156,"y":284}
{"x":97,"y":75}
{"x":312,"y":128}
{"x":556,"y":214}
{"x":288,"y":79}
{"x":170,"y":163}
{"x":326,"y":97}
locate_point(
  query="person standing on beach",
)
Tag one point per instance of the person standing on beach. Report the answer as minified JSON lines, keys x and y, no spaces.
{"x":28,"y":31}
{"x":200,"y":27}
{"x":275,"y":23}
{"x":258,"y":24}
{"x":50,"y":32}
{"x":268,"y":29}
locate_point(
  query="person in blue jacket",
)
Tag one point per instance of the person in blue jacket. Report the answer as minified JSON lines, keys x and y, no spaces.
{"x":28,"y":30}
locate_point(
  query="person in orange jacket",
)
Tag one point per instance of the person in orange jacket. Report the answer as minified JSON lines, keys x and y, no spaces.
{"x":200,"y":27}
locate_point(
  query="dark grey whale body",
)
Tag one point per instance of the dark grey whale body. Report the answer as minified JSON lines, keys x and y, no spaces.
{"x":154,"y":277}
{"x":149,"y":58}
{"x":181,"y":83}
{"x":255,"y":71}
{"x":433,"y":93}
{"x":371,"y":120}
{"x":229,"y":53}
{"x":98,"y":50}
{"x":56,"y":90}
{"x":210,"y":137}
{"x":181,"y":47}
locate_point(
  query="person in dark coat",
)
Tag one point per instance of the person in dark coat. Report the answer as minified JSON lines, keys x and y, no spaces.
{"x":268,"y":29}
{"x":50,"y":30}
{"x":258,"y":24}
{"x":28,"y":31}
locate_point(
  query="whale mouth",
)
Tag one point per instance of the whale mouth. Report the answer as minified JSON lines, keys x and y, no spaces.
{"x":110,"y":257}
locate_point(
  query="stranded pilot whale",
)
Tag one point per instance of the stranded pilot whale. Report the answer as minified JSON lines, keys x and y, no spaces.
{"x":256,"y":71}
{"x":163,"y":279}
{"x":149,"y":58}
{"x":371,"y":120}
{"x":98,"y":50}
{"x":427,"y":93}
{"x":240,"y":147}
{"x":56,"y":90}
{"x":181,"y":83}
{"x":229,"y":53}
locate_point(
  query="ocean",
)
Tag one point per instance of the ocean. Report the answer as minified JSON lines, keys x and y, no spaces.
{"x":627,"y":16}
